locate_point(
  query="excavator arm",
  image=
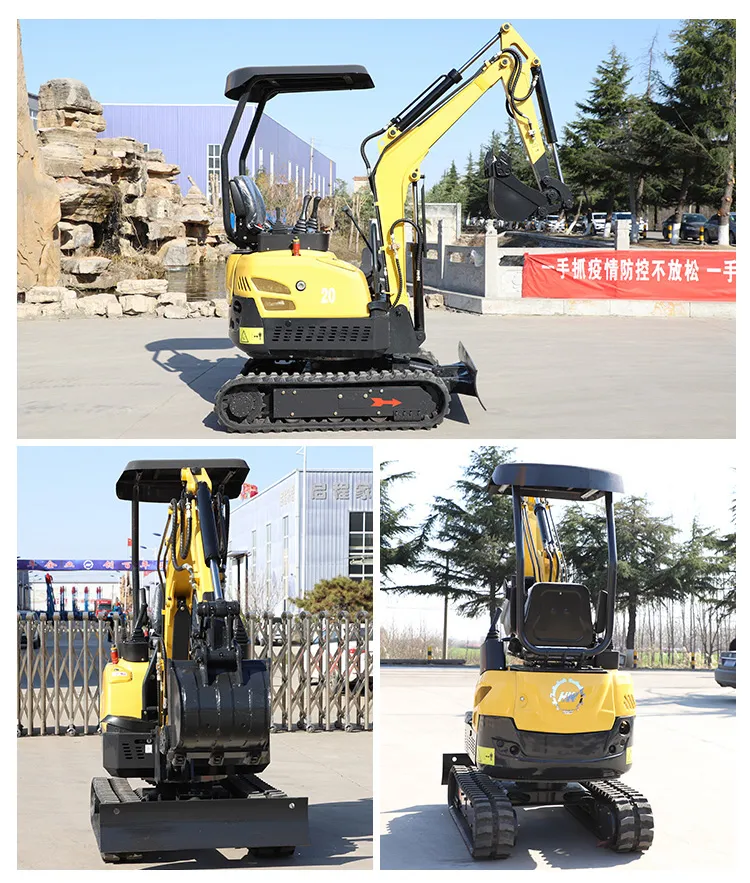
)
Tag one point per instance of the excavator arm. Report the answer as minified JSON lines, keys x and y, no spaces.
{"x":191,"y":556}
{"x":409,"y":136}
{"x":543,"y":559}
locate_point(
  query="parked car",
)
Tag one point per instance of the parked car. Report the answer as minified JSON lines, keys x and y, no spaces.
{"x":690,"y":227}
{"x":726,"y":673}
{"x":712,"y":228}
{"x":599,"y":219}
{"x":350,"y":662}
{"x":555,"y":225}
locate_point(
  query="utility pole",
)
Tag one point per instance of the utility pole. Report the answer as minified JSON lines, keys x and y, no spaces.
{"x":303,"y":522}
{"x":312,"y":152}
{"x":445,"y":611}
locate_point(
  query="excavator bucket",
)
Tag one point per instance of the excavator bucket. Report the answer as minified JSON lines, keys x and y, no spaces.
{"x":513,"y":201}
{"x":246,"y":814}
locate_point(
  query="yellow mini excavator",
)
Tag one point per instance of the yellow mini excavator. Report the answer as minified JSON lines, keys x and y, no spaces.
{"x":333,"y":346}
{"x":555,"y":727}
{"x":181,"y":706}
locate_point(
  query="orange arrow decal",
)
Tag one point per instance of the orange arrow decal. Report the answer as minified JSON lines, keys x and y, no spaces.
{"x":378,"y":403}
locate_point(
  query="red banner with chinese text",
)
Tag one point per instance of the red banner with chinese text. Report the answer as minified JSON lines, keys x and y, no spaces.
{"x":637,"y":275}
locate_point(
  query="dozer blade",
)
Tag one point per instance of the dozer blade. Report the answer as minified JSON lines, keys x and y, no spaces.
{"x":252,"y":815}
{"x":461,"y":376}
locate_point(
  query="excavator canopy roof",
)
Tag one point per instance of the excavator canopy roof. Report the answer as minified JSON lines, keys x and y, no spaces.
{"x":262,"y":83}
{"x":159,"y":481}
{"x":555,"y":482}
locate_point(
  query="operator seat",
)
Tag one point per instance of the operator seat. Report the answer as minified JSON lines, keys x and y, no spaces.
{"x":249,"y":206}
{"x":558,"y":615}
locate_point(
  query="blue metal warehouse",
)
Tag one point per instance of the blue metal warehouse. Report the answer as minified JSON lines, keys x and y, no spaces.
{"x":308,"y":526}
{"x":191,"y":135}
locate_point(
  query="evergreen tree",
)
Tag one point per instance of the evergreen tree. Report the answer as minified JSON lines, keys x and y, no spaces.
{"x":396,"y":548}
{"x":449,"y":188}
{"x":338,"y":595}
{"x":593,"y":140}
{"x":699,"y":109}
{"x":468,"y":549}
{"x":646,"y":552}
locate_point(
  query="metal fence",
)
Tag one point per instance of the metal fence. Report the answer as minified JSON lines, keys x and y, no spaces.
{"x":320,"y":668}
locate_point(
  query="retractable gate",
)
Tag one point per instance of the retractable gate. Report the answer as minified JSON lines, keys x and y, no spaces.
{"x":321,"y":670}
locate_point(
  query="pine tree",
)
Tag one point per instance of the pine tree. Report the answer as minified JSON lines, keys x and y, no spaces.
{"x":468,"y":548}
{"x":449,"y":188}
{"x":592,"y":141}
{"x":646,"y":551}
{"x":338,"y":595}
{"x":699,"y":108}
{"x":397,"y":547}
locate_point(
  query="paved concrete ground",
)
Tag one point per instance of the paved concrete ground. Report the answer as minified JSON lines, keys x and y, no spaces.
{"x":684,"y":761}
{"x":334,"y":770}
{"x":539,"y":376}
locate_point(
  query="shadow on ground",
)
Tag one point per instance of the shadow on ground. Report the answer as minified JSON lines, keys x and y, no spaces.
{"x":175,"y":356}
{"x":426,"y":837}
{"x":336,"y":831}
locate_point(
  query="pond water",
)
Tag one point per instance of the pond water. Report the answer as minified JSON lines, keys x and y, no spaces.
{"x":200,"y":281}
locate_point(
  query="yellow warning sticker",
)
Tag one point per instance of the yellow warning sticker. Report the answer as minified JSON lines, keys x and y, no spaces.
{"x":251,"y":335}
{"x":486,"y":755}
{"x":628,"y":755}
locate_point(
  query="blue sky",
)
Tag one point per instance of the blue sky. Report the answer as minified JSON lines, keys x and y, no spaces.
{"x":187,"y":61}
{"x":67,"y":506}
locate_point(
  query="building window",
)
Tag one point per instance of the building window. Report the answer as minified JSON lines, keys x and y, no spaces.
{"x":213,"y":173}
{"x":289,"y":172}
{"x":360,"y":545}
{"x":146,"y":147}
{"x":260,"y":160}
{"x":285,"y":554}
{"x":296,"y":180}
{"x":253,"y":559}
{"x":271,"y":171}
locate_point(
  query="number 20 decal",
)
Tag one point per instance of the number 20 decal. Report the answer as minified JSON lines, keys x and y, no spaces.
{"x":329,"y":296}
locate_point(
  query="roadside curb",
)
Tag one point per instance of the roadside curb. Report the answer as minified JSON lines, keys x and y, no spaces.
{"x":535,"y":306}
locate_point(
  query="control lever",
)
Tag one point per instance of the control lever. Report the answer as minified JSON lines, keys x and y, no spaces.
{"x":278,"y":226}
{"x":312,"y":222}
{"x":301,"y":225}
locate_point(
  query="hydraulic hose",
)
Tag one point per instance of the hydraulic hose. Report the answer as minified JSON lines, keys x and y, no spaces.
{"x":395,"y":256}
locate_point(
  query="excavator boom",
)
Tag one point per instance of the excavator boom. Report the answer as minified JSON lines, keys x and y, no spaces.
{"x":410,"y":135}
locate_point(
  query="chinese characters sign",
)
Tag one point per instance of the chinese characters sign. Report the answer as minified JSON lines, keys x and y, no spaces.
{"x":80,"y":564}
{"x":340,"y":491}
{"x":639,"y":275}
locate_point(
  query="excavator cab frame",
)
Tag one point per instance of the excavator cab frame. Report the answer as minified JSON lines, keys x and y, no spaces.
{"x":572,"y":483}
{"x":259,"y":85}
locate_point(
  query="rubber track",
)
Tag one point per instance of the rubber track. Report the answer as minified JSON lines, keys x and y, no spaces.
{"x":491,"y":833}
{"x":634,"y":819}
{"x":268,"y":381}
